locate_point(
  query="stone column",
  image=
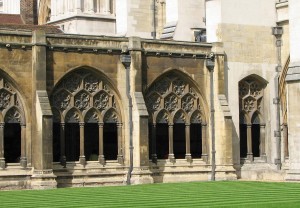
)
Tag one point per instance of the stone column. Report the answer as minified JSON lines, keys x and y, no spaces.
{"x":63,"y":159}
{"x":89,"y":6}
{"x":60,"y":7}
{"x":54,"y":9}
{"x":2,"y":159}
{"x":120,"y":151}
{"x":204,"y":155}
{"x":188,"y":155}
{"x":285,"y":141}
{"x":101,"y":157}
{"x":171,"y":145}
{"x":262,"y":142}
{"x":82,"y":160}
{"x":78,"y":6}
{"x":153,"y":139}
{"x":107,"y":6}
{"x":23,"y":159}
{"x":249,"y":143}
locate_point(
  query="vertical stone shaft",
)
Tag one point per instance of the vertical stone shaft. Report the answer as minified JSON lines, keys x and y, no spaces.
{"x":249,"y":142}
{"x":204,"y":142}
{"x":82,"y":156}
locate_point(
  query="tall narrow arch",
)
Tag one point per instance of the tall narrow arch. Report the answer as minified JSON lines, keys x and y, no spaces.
{"x":12,"y":125}
{"x":171,"y":100}
{"x":89,"y":105}
{"x":252,"y":129}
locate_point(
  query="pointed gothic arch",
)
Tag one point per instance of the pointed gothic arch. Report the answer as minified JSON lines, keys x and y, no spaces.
{"x":12,"y":124}
{"x":89,"y":105}
{"x":171,"y":101}
{"x":252,"y":127}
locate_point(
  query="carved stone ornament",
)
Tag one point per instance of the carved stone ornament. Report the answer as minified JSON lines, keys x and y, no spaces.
{"x":163,"y":86}
{"x":179,"y":118}
{"x":188,"y":103}
{"x":171,"y":102}
{"x":92,"y":117}
{"x":72,"y":83}
{"x":162,"y":118}
{"x":179,"y":87}
{"x":111,"y":117}
{"x":62,"y":100}
{"x":101,"y":101}
{"x":4,"y":100}
{"x":73,"y":117}
{"x":196,"y":118}
{"x":154,"y":102}
{"x":82,"y":100}
{"x":13,"y":116}
{"x":249,"y":104}
{"x":91,"y":84}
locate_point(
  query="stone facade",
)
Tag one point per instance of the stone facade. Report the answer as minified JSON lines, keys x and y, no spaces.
{"x":92,"y":110}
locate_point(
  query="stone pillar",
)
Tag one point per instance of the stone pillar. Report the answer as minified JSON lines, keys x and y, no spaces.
{"x":23,"y":159}
{"x":89,"y":4}
{"x":2,"y":159}
{"x":42,"y":118}
{"x":204,"y":155}
{"x":101,"y":157}
{"x":153,"y":139}
{"x":60,"y":7}
{"x":171,"y":145}
{"x":82,"y":160}
{"x":285,"y":141}
{"x":63,"y":159}
{"x":188,"y":155}
{"x":249,"y":143}
{"x":53,"y":9}
{"x":262,"y":142}
{"x":120,"y":151}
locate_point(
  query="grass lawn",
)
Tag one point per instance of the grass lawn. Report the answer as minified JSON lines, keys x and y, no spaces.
{"x":196,"y":194}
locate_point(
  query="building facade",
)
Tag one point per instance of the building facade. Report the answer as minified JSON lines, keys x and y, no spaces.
{"x":131,"y":92}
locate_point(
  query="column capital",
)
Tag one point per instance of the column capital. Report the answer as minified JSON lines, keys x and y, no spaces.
{"x":81,"y":124}
{"x":23,"y":125}
{"x":263,"y":125}
{"x":187,"y":124}
{"x":100,"y":124}
{"x":171,"y":125}
{"x":2,"y":124}
{"x":119,"y":124}
{"x":249,"y":125}
{"x":204,"y":124}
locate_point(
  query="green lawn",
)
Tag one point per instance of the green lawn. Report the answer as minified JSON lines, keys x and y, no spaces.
{"x":198,"y":194}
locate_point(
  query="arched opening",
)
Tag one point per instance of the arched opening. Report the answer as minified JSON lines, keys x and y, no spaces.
{"x":196,"y":140}
{"x":72,"y":136}
{"x":91,"y":129}
{"x":175,"y":94}
{"x":12,"y":142}
{"x":110,"y":141}
{"x":162,"y":140}
{"x":91,"y":141}
{"x":252,"y":132}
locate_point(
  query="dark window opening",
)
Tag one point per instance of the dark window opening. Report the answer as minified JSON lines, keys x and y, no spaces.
{"x":162,"y":141}
{"x":110,"y":141}
{"x":179,"y":140}
{"x":243,"y":140}
{"x":255,"y":130}
{"x":72,"y":137}
{"x":150,"y":139}
{"x":196,"y":140}
{"x":91,"y":141}
{"x":12,"y":142}
{"x":56,"y":142}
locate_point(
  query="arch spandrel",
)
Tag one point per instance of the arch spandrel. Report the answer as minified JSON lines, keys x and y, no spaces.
{"x":179,"y":117}
{"x":73,"y":115}
{"x":111,"y":116}
{"x":162,"y":116}
{"x":93,"y":116}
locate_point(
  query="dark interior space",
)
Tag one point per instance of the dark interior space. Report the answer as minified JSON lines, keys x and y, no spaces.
{"x":255,"y":140}
{"x":12,"y":142}
{"x":91,"y":141}
{"x":179,"y":140}
{"x":243,"y":140}
{"x":196,"y":140}
{"x":162,"y":141}
{"x":110,"y":141}
{"x":72,"y":141}
{"x":56,"y":142}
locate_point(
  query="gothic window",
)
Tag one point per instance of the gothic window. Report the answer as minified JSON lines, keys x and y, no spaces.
{"x":12,"y":126}
{"x":252,"y":142}
{"x":88,"y":117}
{"x":176,"y":120}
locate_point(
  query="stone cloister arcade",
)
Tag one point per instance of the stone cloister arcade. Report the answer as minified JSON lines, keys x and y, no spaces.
{"x":87,"y":119}
{"x":178,"y":128}
{"x":12,"y":126}
{"x":252,"y":124}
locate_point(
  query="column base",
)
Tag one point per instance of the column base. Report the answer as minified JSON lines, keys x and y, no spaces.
{"x":171,"y":158}
{"x":250,"y":157}
{"x":23,"y":162}
{"x":205,"y":157}
{"x":264,"y":157}
{"x":63,"y":161}
{"x":120,"y":159}
{"x":82,"y":160}
{"x":43,"y":179}
{"x":154,"y":158}
{"x":2,"y":163}
{"x":101,"y":159}
{"x":188,"y":158}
